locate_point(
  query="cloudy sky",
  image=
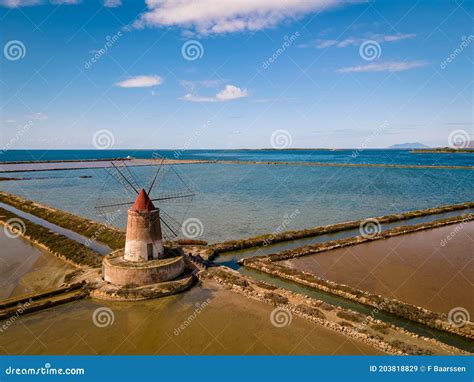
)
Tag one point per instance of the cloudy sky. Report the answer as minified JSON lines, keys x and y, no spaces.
{"x":228,"y":74}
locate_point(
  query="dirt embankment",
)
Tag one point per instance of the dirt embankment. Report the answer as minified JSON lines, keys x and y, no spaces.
{"x":269,"y":264}
{"x":265,"y":240}
{"x":106,"y":234}
{"x":385,"y":337}
{"x":61,"y":246}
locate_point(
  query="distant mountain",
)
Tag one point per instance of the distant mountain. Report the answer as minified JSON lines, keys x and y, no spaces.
{"x":414,"y":145}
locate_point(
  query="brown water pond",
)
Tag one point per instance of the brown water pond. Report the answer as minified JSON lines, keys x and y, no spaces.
{"x":424,"y":268}
{"x":25,"y":268}
{"x":222,"y":322}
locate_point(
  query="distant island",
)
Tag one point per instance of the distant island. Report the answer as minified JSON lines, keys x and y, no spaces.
{"x":447,"y":150}
{"x":414,"y":145}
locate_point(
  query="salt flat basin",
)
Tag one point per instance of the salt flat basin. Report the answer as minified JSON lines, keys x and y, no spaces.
{"x":25,"y":268}
{"x":92,"y":244}
{"x":205,"y":320}
{"x":74,"y":165}
{"x":415,"y":268}
{"x":231,"y":258}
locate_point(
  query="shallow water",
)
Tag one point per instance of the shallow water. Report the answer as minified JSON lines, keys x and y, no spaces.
{"x":94,"y":245}
{"x":236,"y":201}
{"x":26,"y":269}
{"x":227,"y":323}
{"x":404,"y":157}
{"x":231,"y":258}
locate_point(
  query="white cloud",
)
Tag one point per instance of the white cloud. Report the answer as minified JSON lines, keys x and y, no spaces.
{"x":195,"y":98}
{"x":67,"y":2}
{"x":38,"y":116}
{"x":383,"y":67}
{"x":27,"y":3}
{"x":140,"y":82}
{"x":192,"y":85}
{"x":18,"y":3}
{"x":230,"y":92}
{"x":399,"y":36}
{"x":354,"y":41}
{"x":112,"y":3}
{"x":217,"y":16}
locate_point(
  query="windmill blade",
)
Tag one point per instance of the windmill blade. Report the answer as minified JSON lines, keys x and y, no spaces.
{"x":129,"y":175}
{"x":113,"y":205}
{"x":110,"y":213}
{"x":172,"y":227}
{"x":172,"y":195}
{"x":120,"y":176}
{"x":156,"y":176}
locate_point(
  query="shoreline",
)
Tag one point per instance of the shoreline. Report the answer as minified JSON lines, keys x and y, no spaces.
{"x":13,"y":167}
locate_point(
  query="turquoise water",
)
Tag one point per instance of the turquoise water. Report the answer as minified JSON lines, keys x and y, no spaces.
{"x":404,"y":157}
{"x":235,"y":201}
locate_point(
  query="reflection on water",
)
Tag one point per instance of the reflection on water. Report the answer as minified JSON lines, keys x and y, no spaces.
{"x":235,"y":201}
{"x":228,"y":324}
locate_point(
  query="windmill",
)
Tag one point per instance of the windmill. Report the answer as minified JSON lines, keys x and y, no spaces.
{"x":149,"y":217}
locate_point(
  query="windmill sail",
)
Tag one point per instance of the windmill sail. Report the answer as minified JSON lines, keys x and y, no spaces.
{"x":167,"y":190}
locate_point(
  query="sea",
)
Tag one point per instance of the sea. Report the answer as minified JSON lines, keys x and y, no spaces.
{"x":233,"y":201}
{"x":357,"y":156}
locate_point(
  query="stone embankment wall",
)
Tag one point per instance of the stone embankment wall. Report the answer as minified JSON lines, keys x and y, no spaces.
{"x":340,"y":243}
{"x":321,"y":164}
{"x":61,"y":246}
{"x":103,"y":233}
{"x":379,"y":334}
{"x":269,"y":239}
{"x":270,"y":264}
{"x":150,"y":272}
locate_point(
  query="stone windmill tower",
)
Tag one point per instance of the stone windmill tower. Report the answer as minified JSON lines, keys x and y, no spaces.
{"x":144,"y":240}
{"x":144,"y":260}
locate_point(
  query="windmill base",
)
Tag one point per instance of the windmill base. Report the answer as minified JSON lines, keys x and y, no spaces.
{"x":116,"y":270}
{"x":111,"y":292}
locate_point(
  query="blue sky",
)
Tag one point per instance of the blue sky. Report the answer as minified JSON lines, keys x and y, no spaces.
{"x":327,"y":74}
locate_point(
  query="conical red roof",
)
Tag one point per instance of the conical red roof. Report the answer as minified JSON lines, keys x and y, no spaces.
{"x":143,"y":202}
